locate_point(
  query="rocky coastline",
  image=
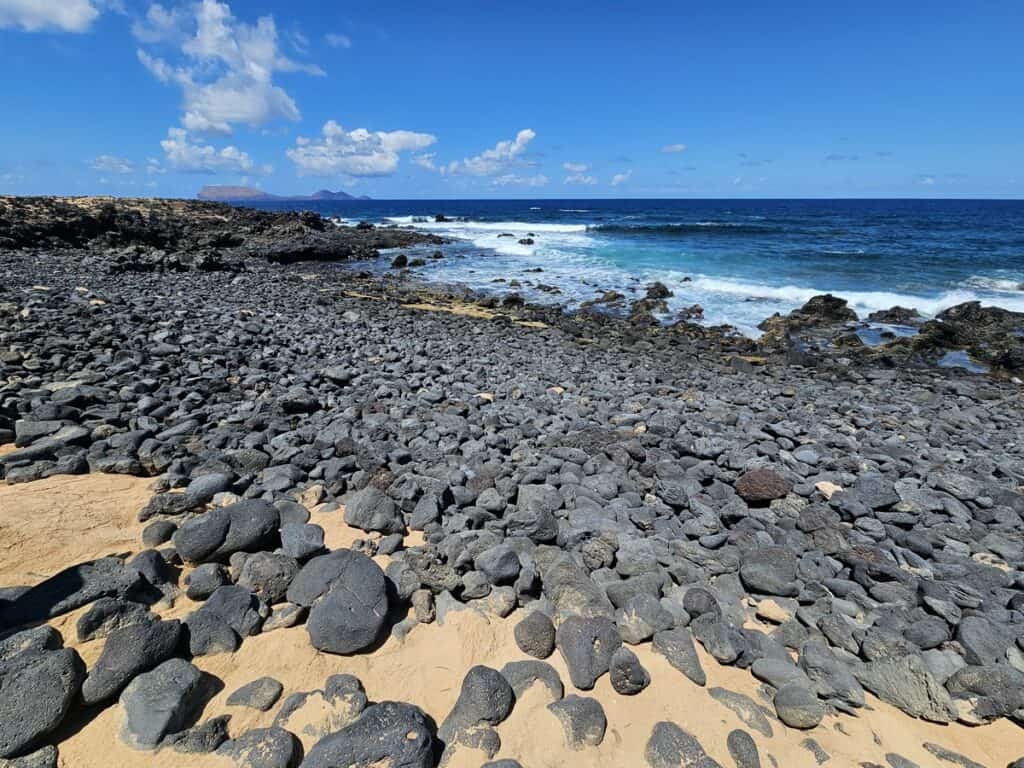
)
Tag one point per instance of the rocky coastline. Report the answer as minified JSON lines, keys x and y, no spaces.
{"x":842,"y":522}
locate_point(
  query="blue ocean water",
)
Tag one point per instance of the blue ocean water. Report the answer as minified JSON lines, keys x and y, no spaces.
{"x":741,"y":260}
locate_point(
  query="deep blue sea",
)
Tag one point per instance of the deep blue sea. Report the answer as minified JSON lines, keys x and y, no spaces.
{"x":741,"y":260}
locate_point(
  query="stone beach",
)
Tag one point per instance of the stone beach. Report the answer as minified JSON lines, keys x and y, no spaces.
{"x":795,"y":550}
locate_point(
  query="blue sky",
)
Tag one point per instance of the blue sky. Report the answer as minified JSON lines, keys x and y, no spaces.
{"x":482,"y":99}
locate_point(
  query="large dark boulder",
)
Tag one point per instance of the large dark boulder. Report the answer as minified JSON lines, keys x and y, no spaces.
{"x":346,"y":593}
{"x":70,"y":589}
{"x":127,"y":653}
{"x":248,"y":526}
{"x":389,"y":733}
{"x":37,"y":689}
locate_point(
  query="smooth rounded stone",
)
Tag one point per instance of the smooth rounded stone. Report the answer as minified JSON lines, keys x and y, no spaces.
{"x":535,"y":635}
{"x":284,"y":615}
{"x":927,"y":633}
{"x":760,"y":486}
{"x":475,"y":585}
{"x":743,"y":749}
{"x":371,"y":510}
{"x":778,"y":672}
{"x":70,"y":589}
{"x":697,"y":601}
{"x":291,"y":512}
{"x":641,"y":617}
{"x":587,"y":645}
{"x":523,"y":674}
{"x":267,"y":575}
{"x":746,"y":709}
{"x":830,"y":677}
{"x":669,"y":746}
{"x":157,"y":533}
{"x":41,"y":638}
{"x":628,"y":676}
{"x":423,"y":606}
{"x":315,"y":714}
{"x":676,"y":645}
{"x":770,"y":571}
{"x":203,"y":488}
{"x":798,"y":707}
{"x":302,"y":541}
{"x":583,"y":720}
{"x":206,"y":579}
{"x":983,"y":642}
{"x":347,"y":597}
{"x":200,"y":739}
{"x":230,"y":614}
{"x":509,"y":763}
{"x":37,"y":688}
{"x":386,"y":733}
{"x":485,"y":697}
{"x":128,"y":652}
{"x":262,"y":748}
{"x":942,"y":663}
{"x":260,"y":694}
{"x":907,"y":684}
{"x":994,"y":691}
{"x":109,"y":614}
{"x":160,"y":702}
{"x":500,"y":564}
{"x":248,"y":526}
{"x":390,"y":544}
{"x":717,"y":638}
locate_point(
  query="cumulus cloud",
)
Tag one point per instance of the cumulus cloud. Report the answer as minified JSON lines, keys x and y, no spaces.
{"x":576,"y":167}
{"x":60,"y":15}
{"x":111,"y":164}
{"x":425,"y":161}
{"x":621,"y":178}
{"x":336,"y":40}
{"x":494,"y":161}
{"x":673,"y":149}
{"x":926,"y":179}
{"x":355,"y":153}
{"x":514,"y":180}
{"x":190,"y":155}
{"x":226,"y":66}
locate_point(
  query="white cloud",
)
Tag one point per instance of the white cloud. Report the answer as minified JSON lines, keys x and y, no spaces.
{"x":621,"y":178}
{"x":36,"y":15}
{"x":355,"y":153}
{"x":190,"y":155}
{"x":926,"y":179}
{"x":338,"y":41}
{"x":576,"y":167}
{"x":672,"y":149}
{"x":111,"y":164}
{"x":581,"y":178}
{"x":228,"y":66}
{"x":494,"y":161}
{"x":514,"y":180}
{"x":425,"y":161}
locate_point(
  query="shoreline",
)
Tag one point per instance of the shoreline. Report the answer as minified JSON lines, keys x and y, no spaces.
{"x":795,"y":532}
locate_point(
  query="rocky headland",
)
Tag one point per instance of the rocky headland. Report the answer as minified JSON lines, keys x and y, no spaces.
{"x":260,"y":510}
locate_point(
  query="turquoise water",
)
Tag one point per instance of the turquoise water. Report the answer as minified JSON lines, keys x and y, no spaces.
{"x":740,"y":260}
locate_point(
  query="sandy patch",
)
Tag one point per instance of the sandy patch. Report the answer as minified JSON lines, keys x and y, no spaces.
{"x":9,"y":448}
{"x":51,"y":524}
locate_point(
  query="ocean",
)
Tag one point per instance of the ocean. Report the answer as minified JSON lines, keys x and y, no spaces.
{"x":740,"y":260}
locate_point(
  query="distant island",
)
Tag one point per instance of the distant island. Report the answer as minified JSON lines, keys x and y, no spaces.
{"x":250,"y":194}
